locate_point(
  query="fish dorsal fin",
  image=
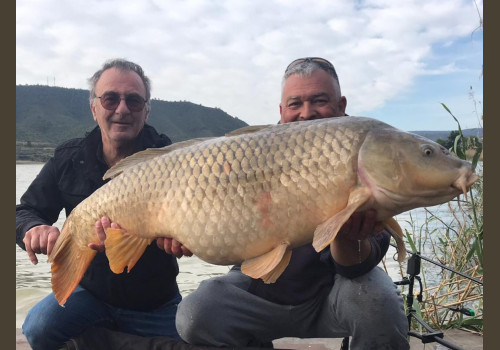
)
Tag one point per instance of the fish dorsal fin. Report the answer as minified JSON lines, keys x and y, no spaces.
{"x":123,"y":249}
{"x":327,"y":231}
{"x":148,"y":154}
{"x":247,"y":130}
{"x":270,"y":265}
{"x":392,"y":226}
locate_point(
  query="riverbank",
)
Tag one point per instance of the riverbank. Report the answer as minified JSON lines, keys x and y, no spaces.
{"x":463,"y":339}
{"x":28,"y":162}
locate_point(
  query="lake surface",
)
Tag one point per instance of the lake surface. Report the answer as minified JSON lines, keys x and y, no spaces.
{"x":33,"y":281}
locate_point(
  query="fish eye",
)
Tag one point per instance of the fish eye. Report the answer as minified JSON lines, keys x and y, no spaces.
{"x":427,"y":150}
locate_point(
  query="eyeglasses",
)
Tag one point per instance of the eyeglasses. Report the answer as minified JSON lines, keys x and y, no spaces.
{"x":324,"y":64}
{"x":111,"y":100}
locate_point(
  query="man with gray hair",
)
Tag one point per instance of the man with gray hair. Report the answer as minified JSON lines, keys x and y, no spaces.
{"x":141,"y":302}
{"x":338,"y":292}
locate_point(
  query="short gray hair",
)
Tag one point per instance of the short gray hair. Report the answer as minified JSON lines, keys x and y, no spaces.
{"x":122,"y":65}
{"x":306,"y":69}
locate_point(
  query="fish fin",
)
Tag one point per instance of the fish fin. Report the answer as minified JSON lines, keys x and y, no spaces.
{"x":275,"y":273}
{"x":327,"y":231}
{"x":247,"y":130}
{"x":123,"y":249}
{"x":69,"y":261}
{"x":148,"y":154}
{"x":392,"y":226}
{"x":268,"y":266}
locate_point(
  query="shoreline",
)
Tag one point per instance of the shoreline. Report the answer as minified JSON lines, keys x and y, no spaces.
{"x":29,"y":162}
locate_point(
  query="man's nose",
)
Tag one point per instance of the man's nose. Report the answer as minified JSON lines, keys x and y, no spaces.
{"x":307,"y":112}
{"x":122,"y":107}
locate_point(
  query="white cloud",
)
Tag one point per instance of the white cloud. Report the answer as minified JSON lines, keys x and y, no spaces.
{"x":231,"y":54}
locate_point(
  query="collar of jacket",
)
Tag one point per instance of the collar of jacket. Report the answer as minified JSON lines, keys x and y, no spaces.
{"x":89,"y":158}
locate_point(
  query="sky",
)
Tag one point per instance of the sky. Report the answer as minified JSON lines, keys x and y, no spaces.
{"x":397,"y":61}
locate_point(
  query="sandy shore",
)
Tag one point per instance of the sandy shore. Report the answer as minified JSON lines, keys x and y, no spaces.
{"x":466,"y":340}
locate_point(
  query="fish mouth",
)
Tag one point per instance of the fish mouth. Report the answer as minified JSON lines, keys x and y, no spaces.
{"x":464,"y":182}
{"x":428,"y":197}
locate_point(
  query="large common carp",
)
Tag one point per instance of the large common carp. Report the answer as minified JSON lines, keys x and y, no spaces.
{"x":255,"y":194}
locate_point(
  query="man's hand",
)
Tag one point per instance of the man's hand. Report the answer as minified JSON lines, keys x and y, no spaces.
{"x":360,"y":226}
{"x":352,"y":245}
{"x":100,"y":227}
{"x":171,"y":246}
{"x":40,"y":240}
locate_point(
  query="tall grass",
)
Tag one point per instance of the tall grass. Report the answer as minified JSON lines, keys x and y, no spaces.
{"x":456,"y":241}
{"x":453,"y":236}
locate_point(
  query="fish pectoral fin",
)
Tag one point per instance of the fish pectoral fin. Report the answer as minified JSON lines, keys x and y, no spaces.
{"x":123,"y":249}
{"x":275,"y":273}
{"x":270,"y":265}
{"x":327,"y":231}
{"x":392,"y":226}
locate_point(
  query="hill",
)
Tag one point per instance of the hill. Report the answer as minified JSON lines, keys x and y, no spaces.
{"x":54,"y":114}
{"x":47,"y":116}
{"x":443,"y":135}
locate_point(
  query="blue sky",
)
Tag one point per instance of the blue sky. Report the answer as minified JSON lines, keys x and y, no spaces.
{"x":460,"y":89}
{"x":397,"y":60}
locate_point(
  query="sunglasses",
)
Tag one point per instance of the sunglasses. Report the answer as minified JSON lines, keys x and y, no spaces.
{"x":324,"y":64}
{"x":111,"y":100}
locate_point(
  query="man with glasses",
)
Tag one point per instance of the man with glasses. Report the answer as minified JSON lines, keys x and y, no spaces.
{"x":142,"y":301}
{"x":336,"y":293}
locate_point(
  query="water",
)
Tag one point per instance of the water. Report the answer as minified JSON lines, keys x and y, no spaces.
{"x":33,"y":281}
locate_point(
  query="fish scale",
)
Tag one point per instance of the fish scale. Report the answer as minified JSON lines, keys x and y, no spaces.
{"x":252,"y":196}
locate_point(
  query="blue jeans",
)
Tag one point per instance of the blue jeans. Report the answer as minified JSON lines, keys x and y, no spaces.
{"x":49,"y":326}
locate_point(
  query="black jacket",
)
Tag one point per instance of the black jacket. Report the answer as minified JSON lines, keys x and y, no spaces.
{"x":309,"y":273}
{"x":71,"y":175}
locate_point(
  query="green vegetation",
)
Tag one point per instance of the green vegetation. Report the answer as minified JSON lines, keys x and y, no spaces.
{"x":454,"y":237}
{"x":47,"y":116}
{"x":450,"y":142}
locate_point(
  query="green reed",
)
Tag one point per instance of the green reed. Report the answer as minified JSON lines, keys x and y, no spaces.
{"x":456,"y":241}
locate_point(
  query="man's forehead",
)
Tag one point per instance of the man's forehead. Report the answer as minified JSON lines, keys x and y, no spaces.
{"x":116,"y":78}
{"x":318,"y":82}
{"x":306,"y":96}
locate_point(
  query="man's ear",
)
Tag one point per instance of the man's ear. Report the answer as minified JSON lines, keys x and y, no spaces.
{"x":92,"y":109}
{"x":343,"y":104}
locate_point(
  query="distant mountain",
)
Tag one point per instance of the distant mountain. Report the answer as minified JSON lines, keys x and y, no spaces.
{"x":50,"y":115}
{"x":443,"y":135}
{"x":47,"y":116}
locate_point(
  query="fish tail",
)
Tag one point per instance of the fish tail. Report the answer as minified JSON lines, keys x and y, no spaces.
{"x":70,"y":259}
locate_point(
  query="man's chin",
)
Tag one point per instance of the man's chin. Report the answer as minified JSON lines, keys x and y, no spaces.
{"x":123,"y":135}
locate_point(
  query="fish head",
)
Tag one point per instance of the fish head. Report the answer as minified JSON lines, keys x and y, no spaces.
{"x":406,"y":171}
